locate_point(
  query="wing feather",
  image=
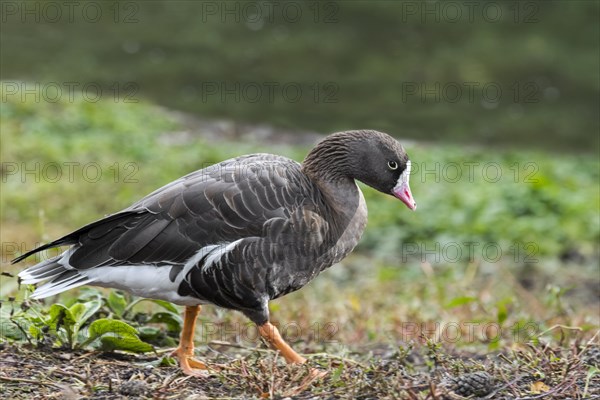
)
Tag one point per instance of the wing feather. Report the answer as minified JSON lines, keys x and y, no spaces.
{"x":232,"y":200}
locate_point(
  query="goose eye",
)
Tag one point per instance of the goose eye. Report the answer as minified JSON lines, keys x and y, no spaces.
{"x":393,"y":165}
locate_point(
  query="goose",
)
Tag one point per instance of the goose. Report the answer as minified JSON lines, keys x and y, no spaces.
{"x":237,"y":234}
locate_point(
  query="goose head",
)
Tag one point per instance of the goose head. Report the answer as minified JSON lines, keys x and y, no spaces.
{"x":371,"y":157}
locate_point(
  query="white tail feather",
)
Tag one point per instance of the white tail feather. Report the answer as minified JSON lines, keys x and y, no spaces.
{"x":30,"y":276}
{"x":52,"y":288}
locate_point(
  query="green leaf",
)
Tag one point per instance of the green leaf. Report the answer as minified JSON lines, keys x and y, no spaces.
{"x":167,"y":361}
{"x":83,"y":311}
{"x":502,"y":313}
{"x":460,"y":301}
{"x":117,"y":335}
{"x":156,"y":337}
{"x":35,"y":331}
{"x":337,"y":373}
{"x":103,"y":326}
{"x":61,"y":317}
{"x":10,"y":330}
{"x":166,"y":305}
{"x":173,"y":321}
{"x":148,"y":332}
{"x":117,"y":303}
{"x":494,"y":344}
{"x":125,"y":343}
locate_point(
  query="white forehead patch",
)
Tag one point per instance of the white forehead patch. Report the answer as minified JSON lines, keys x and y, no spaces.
{"x":405,"y":175}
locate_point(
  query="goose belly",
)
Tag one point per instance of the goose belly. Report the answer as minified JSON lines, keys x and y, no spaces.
{"x":148,"y":281}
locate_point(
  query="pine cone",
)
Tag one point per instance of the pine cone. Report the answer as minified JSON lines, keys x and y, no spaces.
{"x":473,"y":384}
{"x":591,"y":357}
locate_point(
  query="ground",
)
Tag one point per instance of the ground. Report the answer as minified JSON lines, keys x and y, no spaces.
{"x":530,"y":372}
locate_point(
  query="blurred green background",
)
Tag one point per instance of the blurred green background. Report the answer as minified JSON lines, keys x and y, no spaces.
{"x":512,"y":85}
{"x":519,"y":74}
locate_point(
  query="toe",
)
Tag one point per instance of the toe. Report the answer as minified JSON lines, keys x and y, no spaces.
{"x":188,"y":364}
{"x":192,"y":362}
{"x":200,"y":373}
{"x":192,"y":367}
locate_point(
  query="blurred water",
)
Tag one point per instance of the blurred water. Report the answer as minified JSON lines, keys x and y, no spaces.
{"x":495,"y":73}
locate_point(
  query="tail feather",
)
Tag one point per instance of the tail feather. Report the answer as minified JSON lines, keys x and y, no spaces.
{"x":65,"y":281}
{"x":72,"y":238}
{"x":57,"y":273}
{"x":42,"y":271}
{"x":57,"y":243}
{"x":60,"y":276}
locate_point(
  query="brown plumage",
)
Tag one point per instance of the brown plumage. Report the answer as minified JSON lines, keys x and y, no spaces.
{"x":237,"y":234}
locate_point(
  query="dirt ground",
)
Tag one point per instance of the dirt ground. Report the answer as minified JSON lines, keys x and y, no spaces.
{"x":423,"y":371}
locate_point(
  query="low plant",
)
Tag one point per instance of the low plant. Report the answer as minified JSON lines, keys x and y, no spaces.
{"x":91,"y":321}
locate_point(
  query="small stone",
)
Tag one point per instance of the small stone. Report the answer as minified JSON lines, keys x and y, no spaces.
{"x":134,"y":388}
{"x":473,"y":384}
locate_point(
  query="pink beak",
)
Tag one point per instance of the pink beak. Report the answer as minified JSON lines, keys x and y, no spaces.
{"x":402,"y":192}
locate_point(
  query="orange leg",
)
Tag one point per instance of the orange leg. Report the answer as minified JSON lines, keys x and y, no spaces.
{"x":271,"y":334}
{"x":185,"y":351}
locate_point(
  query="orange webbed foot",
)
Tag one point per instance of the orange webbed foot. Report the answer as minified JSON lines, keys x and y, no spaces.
{"x":188,"y":364}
